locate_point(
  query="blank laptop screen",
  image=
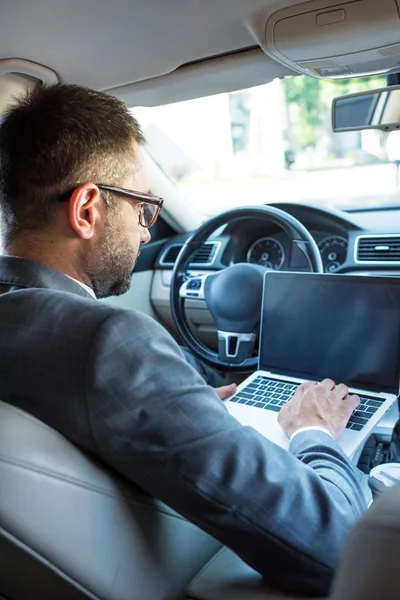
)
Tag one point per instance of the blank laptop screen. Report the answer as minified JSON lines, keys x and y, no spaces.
{"x":339,"y":326}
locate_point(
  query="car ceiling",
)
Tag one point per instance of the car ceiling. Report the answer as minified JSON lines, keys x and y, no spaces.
{"x":106,"y":45}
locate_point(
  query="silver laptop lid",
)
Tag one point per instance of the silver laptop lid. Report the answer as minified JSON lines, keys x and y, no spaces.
{"x":339,"y":326}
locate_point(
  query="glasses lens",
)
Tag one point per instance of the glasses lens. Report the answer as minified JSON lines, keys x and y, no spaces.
{"x":148,"y":212}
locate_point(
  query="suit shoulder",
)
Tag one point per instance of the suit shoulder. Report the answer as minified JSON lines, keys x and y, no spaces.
{"x":53,"y":304}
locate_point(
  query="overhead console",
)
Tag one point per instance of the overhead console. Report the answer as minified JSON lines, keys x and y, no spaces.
{"x":329,"y":39}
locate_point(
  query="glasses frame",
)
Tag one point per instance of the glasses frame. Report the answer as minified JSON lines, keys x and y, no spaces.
{"x":140,"y":196}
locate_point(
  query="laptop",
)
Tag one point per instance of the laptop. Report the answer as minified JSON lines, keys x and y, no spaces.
{"x":315,"y":326}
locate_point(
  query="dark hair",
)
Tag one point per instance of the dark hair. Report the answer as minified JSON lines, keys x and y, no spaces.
{"x":56,"y":138}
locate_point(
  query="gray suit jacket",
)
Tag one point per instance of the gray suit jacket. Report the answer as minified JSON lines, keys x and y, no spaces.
{"x":115,"y":383}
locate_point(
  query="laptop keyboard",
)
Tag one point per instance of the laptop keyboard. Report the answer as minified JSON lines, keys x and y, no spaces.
{"x":271,"y":394}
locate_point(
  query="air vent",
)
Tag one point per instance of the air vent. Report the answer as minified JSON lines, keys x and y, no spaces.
{"x":378,"y":249}
{"x":204,"y":257}
{"x":170,"y":255}
{"x":206,"y":254}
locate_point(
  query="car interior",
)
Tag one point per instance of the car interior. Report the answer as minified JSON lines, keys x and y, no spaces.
{"x":272,"y":131}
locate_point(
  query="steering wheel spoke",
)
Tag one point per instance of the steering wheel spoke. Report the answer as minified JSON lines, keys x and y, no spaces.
{"x":235,"y":348}
{"x":193,"y":287}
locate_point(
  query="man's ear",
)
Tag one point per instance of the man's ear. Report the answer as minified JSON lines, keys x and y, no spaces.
{"x":85,"y":210}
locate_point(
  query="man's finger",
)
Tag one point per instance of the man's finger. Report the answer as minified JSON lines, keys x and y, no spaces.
{"x":341,"y":391}
{"x":349,"y":405}
{"x":226,"y":390}
{"x":306,"y":386}
{"x":353,"y":400}
{"x":328,"y":384}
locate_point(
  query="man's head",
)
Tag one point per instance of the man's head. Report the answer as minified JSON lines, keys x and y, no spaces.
{"x":56,"y":145}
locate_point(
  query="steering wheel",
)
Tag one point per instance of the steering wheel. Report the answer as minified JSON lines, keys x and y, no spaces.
{"x":233,"y":295}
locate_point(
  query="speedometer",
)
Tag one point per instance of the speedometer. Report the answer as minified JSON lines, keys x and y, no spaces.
{"x":267,"y":252}
{"x":333,"y":252}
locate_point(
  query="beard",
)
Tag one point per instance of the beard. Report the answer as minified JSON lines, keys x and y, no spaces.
{"x":110,"y":264}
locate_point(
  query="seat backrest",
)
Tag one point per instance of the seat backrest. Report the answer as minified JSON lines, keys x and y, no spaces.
{"x":370,"y":568}
{"x":70,"y":529}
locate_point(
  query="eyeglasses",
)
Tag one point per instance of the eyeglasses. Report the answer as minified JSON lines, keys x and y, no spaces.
{"x":148,"y":214}
{"x":152,"y":205}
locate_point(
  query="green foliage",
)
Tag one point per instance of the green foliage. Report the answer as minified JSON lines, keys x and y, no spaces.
{"x":313,"y":99}
{"x":339,"y":87}
{"x":305,"y":92}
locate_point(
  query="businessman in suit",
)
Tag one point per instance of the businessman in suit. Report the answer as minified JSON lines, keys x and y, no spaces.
{"x":115,"y":382}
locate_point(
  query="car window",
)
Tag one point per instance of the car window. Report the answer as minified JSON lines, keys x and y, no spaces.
{"x":272,"y":143}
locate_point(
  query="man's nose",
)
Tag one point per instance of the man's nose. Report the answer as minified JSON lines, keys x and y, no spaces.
{"x":145,"y":235}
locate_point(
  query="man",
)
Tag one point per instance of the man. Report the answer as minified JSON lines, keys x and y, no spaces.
{"x":114,"y":381}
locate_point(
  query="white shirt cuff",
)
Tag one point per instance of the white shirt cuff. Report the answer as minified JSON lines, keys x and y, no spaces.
{"x":311,"y":428}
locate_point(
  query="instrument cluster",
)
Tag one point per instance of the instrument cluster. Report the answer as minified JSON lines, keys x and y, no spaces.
{"x":270,"y":252}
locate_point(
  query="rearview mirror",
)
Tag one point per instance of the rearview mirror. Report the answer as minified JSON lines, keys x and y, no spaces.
{"x":375,"y":109}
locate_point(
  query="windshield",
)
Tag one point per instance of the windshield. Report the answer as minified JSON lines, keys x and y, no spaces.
{"x":273,"y":143}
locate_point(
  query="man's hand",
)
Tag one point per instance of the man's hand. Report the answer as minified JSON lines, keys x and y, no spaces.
{"x":226,"y":390}
{"x":318,"y":404}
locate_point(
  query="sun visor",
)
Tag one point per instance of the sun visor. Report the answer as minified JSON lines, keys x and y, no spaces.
{"x":330,"y":40}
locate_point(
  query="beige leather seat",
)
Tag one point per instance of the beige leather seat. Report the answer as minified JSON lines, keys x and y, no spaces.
{"x":69,"y":529}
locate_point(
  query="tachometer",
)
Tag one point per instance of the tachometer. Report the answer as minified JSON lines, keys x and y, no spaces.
{"x":333,"y":252}
{"x":267,"y":252}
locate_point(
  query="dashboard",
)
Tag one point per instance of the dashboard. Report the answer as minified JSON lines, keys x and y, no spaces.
{"x":358,"y":242}
{"x":364,"y":242}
